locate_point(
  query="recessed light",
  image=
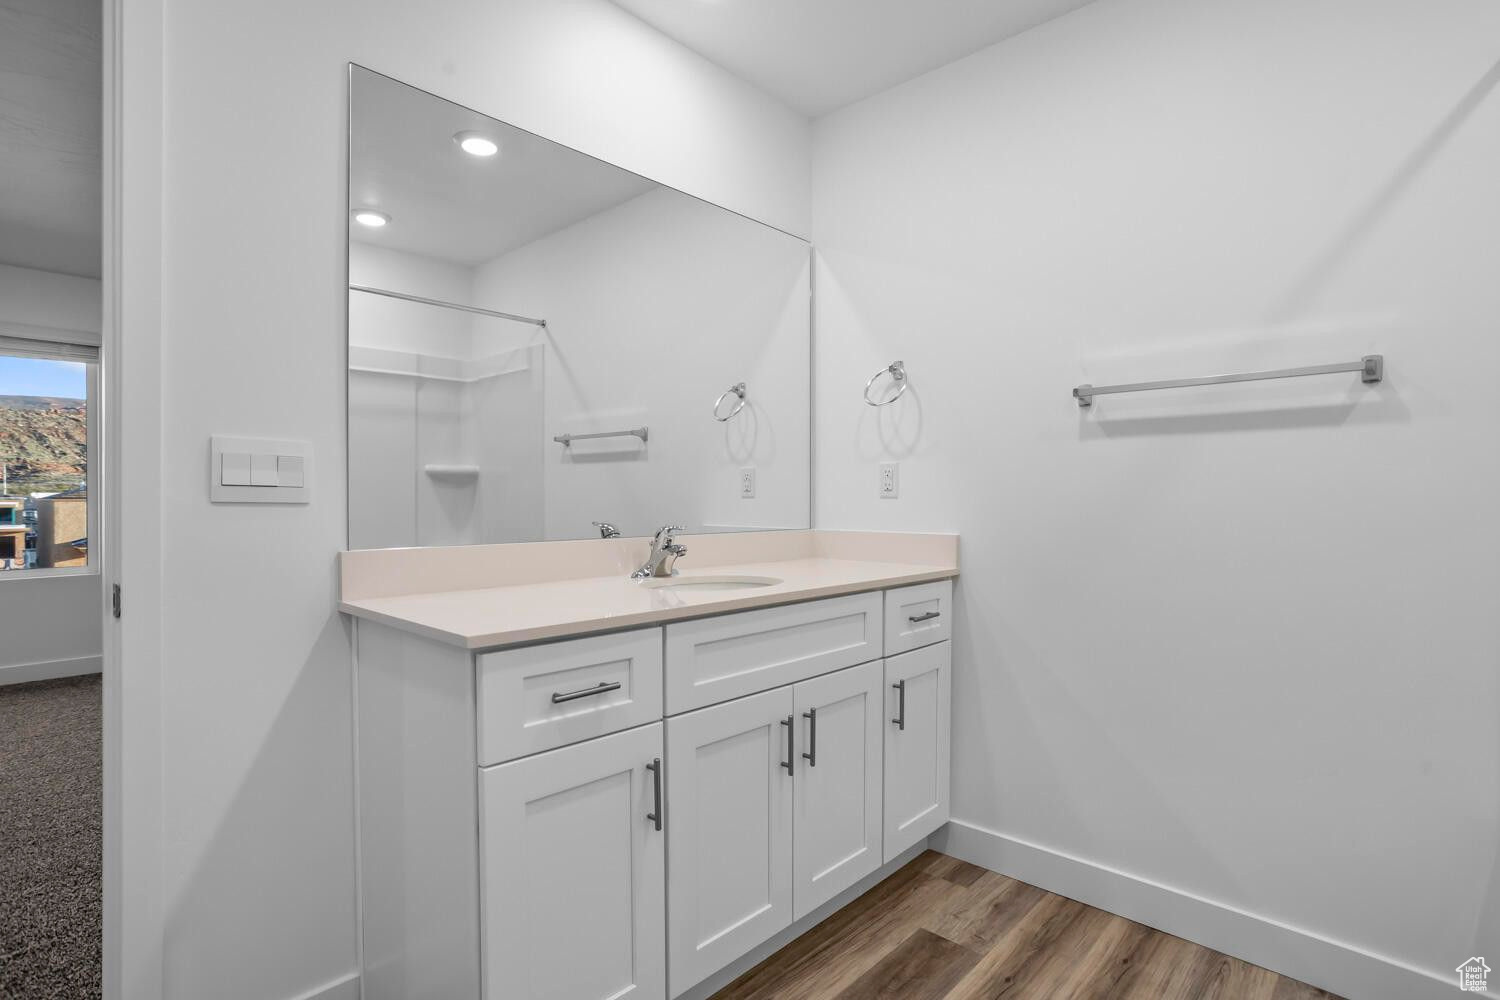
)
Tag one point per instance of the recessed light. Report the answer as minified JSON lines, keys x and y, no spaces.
{"x":476,"y":144}
{"x":370,"y":217}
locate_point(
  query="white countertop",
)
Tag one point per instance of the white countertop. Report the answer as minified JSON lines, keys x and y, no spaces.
{"x":483,"y":617}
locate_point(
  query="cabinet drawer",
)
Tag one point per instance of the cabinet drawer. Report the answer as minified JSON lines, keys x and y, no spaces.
{"x":715,"y":659}
{"x":541,"y":697}
{"x":918,"y":616}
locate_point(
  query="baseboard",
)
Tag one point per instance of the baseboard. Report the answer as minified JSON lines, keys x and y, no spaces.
{"x":47,"y":670}
{"x":1331,"y":965}
{"x":343,"y":988}
{"x":776,"y":942}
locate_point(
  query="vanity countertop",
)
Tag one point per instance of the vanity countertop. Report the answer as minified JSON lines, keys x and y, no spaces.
{"x":809,"y":565}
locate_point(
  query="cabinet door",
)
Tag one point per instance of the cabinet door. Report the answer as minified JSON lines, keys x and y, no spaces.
{"x":571,"y":862}
{"x":730,"y":849}
{"x":837,"y":822}
{"x":916,"y":745}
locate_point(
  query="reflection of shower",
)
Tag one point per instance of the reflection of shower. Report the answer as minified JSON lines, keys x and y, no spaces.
{"x":445,"y":421}
{"x":406,"y":297}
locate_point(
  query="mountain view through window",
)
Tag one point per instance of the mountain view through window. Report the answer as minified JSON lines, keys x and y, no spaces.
{"x":44,"y":522}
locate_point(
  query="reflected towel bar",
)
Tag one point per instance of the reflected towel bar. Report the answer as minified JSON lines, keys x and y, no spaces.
{"x":1371,"y":369}
{"x":567,"y":439}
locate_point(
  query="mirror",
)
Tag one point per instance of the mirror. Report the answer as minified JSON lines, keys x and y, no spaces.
{"x":540,"y":340}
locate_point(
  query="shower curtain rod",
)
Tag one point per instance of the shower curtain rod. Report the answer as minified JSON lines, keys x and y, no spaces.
{"x":448,"y":305}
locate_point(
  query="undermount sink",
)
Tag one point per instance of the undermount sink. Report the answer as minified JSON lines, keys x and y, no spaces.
{"x":707,"y":582}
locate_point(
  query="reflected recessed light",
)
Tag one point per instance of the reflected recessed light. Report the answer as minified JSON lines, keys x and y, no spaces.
{"x":370,"y":217}
{"x":476,"y":144}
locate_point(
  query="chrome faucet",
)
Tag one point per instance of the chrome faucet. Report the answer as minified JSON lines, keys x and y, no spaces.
{"x":664,"y":553}
{"x":607,"y":530}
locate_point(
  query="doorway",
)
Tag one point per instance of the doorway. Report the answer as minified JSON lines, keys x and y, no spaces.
{"x":51,"y":590}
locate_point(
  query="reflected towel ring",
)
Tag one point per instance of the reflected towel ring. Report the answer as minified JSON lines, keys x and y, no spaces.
{"x":897,"y":371}
{"x":738,"y":389}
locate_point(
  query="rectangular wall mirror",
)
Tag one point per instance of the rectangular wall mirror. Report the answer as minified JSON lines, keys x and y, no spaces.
{"x":543,"y":345}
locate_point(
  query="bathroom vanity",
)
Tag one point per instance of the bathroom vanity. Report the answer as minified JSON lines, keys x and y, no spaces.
{"x":578,"y":786}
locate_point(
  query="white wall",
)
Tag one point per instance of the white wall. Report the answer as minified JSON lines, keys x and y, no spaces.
{"x":1236,"y":641}
{"x":51,"y":624}
{"x":653,"y":308}
{"x":258,"y":866}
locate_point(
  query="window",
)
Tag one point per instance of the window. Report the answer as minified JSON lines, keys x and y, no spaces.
{"x":46,"y":390}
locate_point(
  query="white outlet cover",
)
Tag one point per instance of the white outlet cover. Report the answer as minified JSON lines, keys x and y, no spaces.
{"x":888,"y":482}
{"x":747,"y":483}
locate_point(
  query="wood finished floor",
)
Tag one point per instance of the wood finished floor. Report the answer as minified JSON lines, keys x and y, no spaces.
{"x":942,"y":929}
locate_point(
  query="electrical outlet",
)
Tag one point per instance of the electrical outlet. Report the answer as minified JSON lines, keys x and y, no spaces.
{"x":747,"y":483}
{"x":888,"y":487}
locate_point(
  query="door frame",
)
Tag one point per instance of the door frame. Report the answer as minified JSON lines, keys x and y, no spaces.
{"x":130,"y":483}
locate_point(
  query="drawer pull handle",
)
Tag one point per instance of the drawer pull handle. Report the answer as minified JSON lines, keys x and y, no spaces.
{"x":929,"y":616}
{"x":791,"y":753}
{"x":900,"y":719}
{"x":655,"y":768}
{"x":603,"y":687}
{"x":811,"y":715}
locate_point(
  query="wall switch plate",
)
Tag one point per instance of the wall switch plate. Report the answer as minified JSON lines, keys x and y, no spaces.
{"x":747,"y":483}
{"x":259,"y":470}
{"x":888,"y":486}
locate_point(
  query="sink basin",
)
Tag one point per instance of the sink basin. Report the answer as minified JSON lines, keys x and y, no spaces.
{"x":705,"y":582}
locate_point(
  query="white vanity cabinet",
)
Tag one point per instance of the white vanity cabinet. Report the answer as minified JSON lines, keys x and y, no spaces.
{"x":775,"y":809}
{"x":572,"y":862}
{"x":837,"y":819}
{"x":624,"y":815}
{"x":917,"y":744}
{"x":729,"y":843}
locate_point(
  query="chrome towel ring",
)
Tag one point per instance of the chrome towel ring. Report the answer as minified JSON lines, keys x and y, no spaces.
{"x":897,"y":371}
{"x":738,"y":389}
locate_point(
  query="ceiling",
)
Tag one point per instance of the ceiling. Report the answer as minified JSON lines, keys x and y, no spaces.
{"x":446,"y":204}
{"x":51,"y":66}
{"x":818,"y":55}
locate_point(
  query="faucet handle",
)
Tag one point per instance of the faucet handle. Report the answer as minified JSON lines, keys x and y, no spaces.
{"x":668,"y":530}
{"x":606,"y":530}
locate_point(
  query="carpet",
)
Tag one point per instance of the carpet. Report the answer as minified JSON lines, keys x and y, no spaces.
{"x":51,"y":769}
